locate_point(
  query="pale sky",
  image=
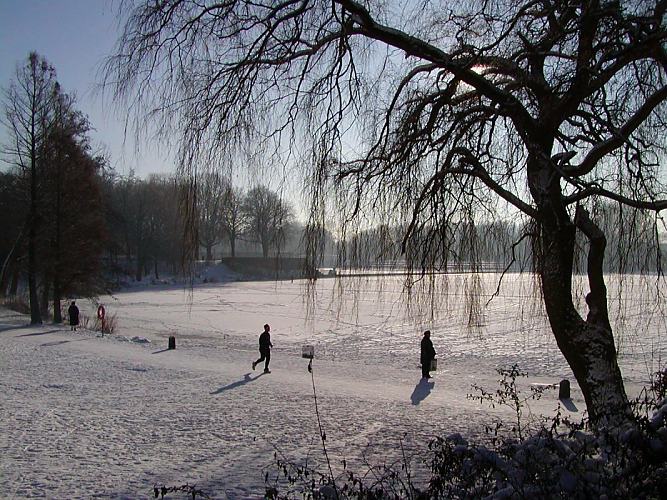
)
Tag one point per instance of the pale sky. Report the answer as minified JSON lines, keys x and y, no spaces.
{"x":75,"y":36}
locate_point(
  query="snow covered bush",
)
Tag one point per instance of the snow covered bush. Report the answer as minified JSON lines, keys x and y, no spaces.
{"x":106,"y":326}
{"x":560,"y":460}
{"x":553,"y":464}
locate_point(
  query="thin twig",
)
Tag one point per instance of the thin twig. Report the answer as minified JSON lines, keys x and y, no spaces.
{"x":319,"y":423}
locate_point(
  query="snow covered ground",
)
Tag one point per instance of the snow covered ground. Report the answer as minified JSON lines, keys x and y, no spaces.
{"x":87,"y":416}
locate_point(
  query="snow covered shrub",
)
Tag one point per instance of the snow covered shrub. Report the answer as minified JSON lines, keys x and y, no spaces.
{"x":559,"y":460}
{"x":108,"y":326}
{"x":509,"y":395}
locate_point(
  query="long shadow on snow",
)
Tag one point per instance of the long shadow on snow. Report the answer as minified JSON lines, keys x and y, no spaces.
{"x":567,"y":403}
{"x":421,"y":392}
{"x":40,"y":333}
{"x":246,"y":378}
{"x":59,"y":342}
{"x":163,"y":350}
{"x":4,"y":327}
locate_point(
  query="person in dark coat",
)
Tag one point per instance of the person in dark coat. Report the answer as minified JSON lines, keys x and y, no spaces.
{"x":265,"y":346}
{"x":427,"y":354}
{"x":73,"y":312}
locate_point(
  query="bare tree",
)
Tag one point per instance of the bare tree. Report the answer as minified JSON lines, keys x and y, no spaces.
{"x":211,"y":189}
{"x":533,"y":109}
{"x":143,"y":223}
{"x":233,"y":216}
{"x":164,"y":222}
{"x":266,"y":216}
{"x":28,"y":116}
{"x":136,"y":215}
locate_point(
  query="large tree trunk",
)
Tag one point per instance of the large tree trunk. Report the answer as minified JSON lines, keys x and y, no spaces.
{"x":35,"y":314}
{"x":44,"y":303}
{"x":588,"y":345}
{"x":232,"y":245}
{"x":57,"y":313}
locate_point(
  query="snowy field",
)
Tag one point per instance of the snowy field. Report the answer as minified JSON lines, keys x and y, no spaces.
{"x":84,"y":416}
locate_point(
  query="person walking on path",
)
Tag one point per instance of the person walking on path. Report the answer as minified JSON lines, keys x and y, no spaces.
{"x":265,"y":346}
{"x":427,"y":354}
{"x":73,"y":312}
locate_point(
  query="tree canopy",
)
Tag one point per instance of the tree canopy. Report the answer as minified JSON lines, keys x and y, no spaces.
{"x":435,"y":115}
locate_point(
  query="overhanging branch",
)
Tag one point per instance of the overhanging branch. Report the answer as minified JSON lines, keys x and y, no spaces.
{"x":655,"y":206}
{"x":602,"y":149}
{"x":416,"y":47}
{"x":482,"y":174}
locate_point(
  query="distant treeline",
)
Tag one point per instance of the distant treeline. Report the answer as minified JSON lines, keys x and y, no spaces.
{"x":500,"y":245}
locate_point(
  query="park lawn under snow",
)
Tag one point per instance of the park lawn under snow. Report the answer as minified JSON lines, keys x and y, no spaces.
{"x":88,"y":416}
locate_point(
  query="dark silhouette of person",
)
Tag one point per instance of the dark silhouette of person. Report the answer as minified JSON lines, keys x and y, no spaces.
{"x":427,"y":354}
{"x":265,"y":346}
{"x":73,"y":312}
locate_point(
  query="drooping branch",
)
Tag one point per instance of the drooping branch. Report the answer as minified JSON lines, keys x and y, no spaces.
{"x":423,"y":50}
{"x":595,"y":190}
{"x":482,"y":174}
{"x":515,"y":244}
{"x":604,"y":148}
{"x":504,"y":94}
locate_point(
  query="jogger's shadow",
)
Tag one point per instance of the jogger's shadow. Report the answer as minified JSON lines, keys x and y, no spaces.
{"x":246,"y":378}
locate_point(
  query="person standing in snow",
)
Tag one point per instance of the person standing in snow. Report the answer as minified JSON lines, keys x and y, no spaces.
{"x":265,"y":346}
{"x":73,"y":312}
{"x":427,"y":354}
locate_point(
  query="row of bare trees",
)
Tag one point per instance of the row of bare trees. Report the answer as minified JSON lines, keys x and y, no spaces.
{"x":146,"y":226}
{"x":226,"y":212}
{"x":504,"y":244}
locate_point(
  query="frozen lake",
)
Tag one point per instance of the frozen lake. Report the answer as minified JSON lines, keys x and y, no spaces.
{"x":373,"y":321}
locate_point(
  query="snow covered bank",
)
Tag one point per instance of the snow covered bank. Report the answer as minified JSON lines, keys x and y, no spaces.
{"x":85,"y":416}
